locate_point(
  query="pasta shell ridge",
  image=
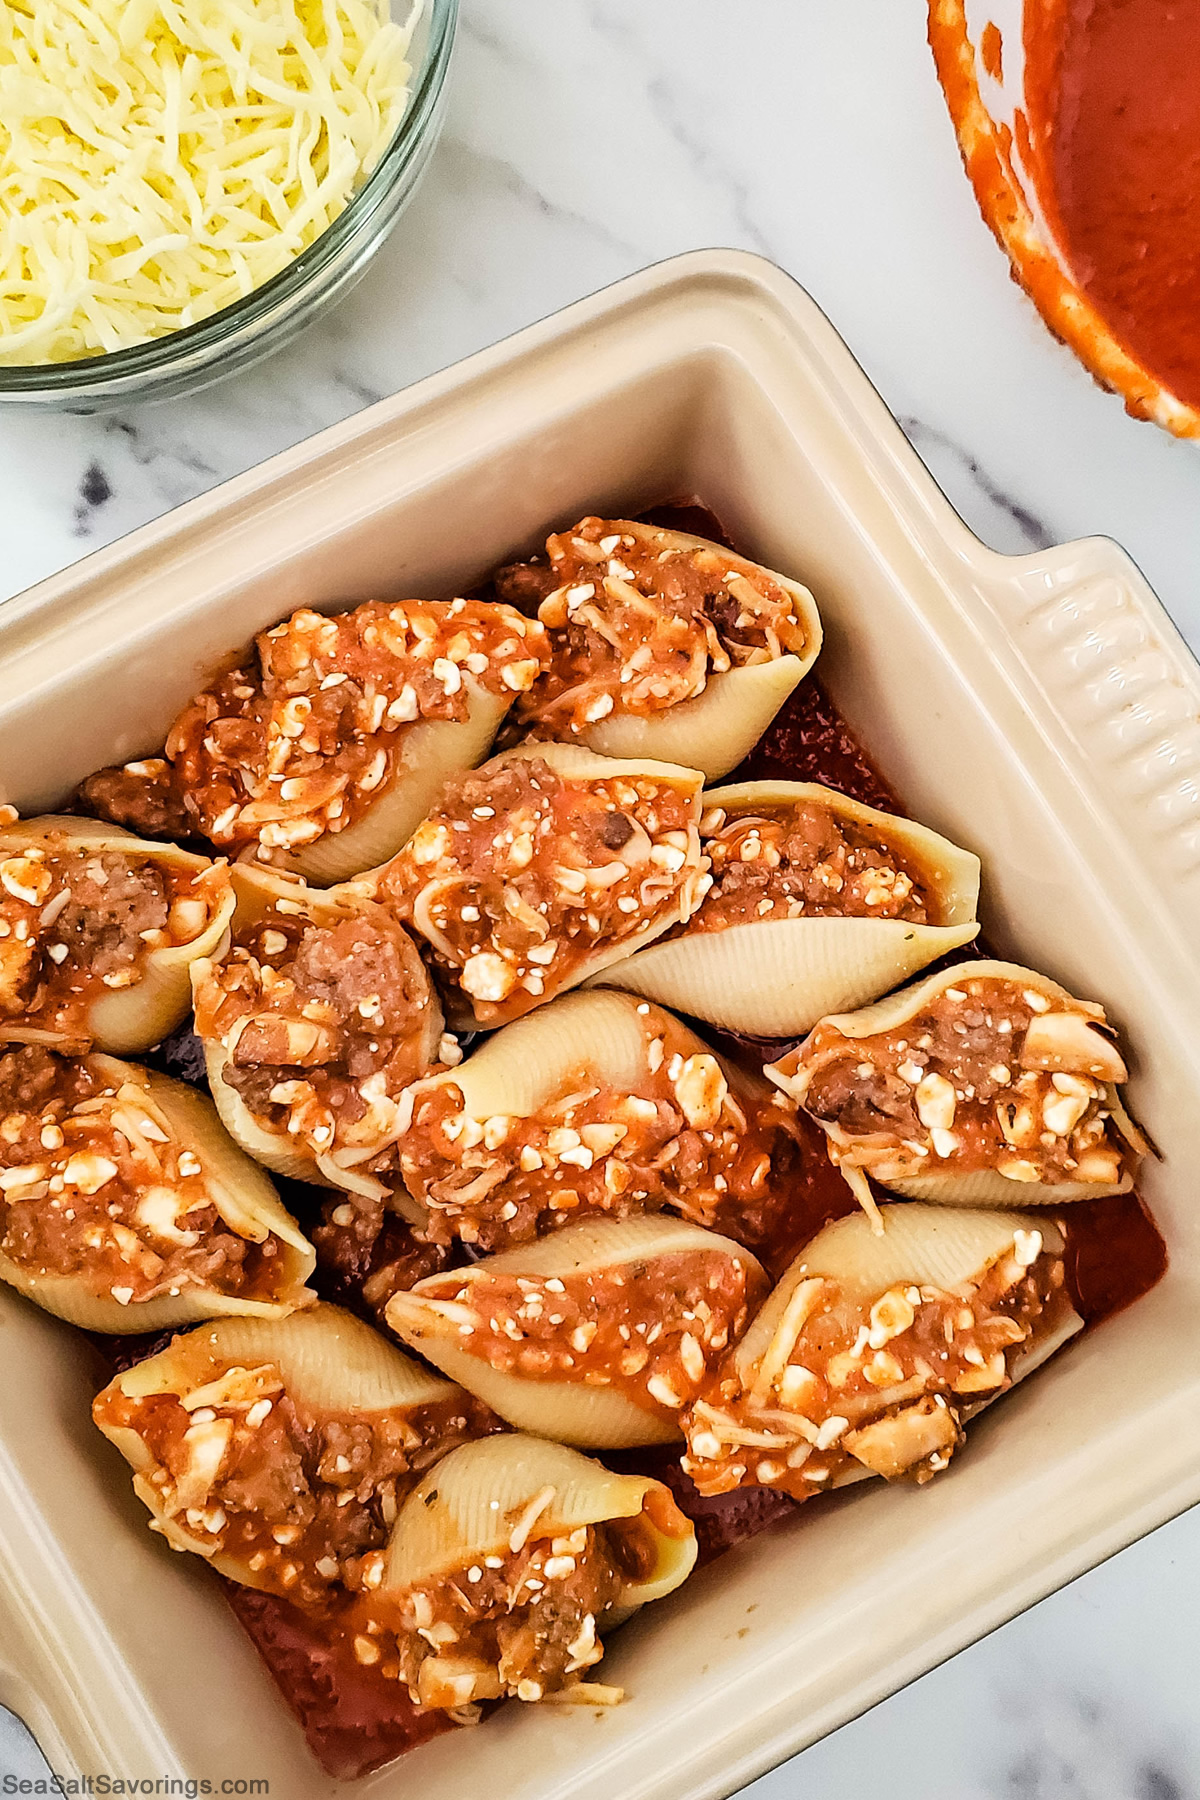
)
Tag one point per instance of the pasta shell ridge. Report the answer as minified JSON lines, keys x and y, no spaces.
{"x":602,"y":1243}
{"x":329,"y":1361}
{"x":981,"y":1187}
{"x":523,"y":1065}
{"x":926,"y":1245}
{"x":258,"y":890}
{"x":449,"y":1520}
{"x":566,"y":1412}
{"x":712,"y":732}
{"x":432,"y":751}
{"x":984,"y":1187}
{"x":778,"y":977}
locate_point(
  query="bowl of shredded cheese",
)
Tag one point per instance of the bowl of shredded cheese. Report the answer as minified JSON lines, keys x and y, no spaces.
{"x":185,"y":183}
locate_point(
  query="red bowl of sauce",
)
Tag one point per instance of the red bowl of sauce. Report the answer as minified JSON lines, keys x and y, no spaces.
{"x":1079,"y":126}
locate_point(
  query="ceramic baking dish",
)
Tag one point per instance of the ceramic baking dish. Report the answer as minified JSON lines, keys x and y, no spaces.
{"x":1041,"y":709}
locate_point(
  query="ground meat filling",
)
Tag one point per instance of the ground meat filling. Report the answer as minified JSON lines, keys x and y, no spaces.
{"x":326,"y":1024}
{"x":144,"y":797}
{"x":885,"y":1388}
{"x":521,"y":875}
{"x":651,"y":1329}
{"x":303,"y":1500}
{"x":301,"y":745}
{"x":92,"y":1186}
{"x":368,"y":1253}
{"x":988,"y":1076}
{"x":682,"y":1141}
{"x":637,"y":625}
{"x":521,"y":1625}
{"x":803,"y":861}
{"x":75,"y":924}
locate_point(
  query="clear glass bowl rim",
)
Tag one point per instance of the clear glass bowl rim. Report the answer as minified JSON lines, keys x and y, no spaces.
{"x":276,"y":299}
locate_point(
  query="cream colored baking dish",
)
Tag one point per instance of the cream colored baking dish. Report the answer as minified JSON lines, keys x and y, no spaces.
{"x":1041,"y":709}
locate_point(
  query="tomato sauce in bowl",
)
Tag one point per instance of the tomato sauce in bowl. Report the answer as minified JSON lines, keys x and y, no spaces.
{"x":1080,"y":129}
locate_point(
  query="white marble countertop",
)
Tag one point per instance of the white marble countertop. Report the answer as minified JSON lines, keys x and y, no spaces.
{"x":585,"y":139}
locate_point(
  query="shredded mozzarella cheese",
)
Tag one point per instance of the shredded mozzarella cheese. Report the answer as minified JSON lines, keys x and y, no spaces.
{"x":161,"y":158}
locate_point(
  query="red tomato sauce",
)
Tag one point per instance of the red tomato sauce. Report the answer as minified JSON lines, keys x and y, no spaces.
{"x":354,"y":1719}
{"x":1112,"y":95}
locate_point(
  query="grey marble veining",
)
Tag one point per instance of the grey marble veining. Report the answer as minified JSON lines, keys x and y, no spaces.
{"x":585,"y":139}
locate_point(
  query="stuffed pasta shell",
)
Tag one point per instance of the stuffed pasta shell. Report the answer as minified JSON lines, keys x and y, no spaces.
{"x":817,"y":904}
{"x":662,"y":644}
{"x":875,"y":1349}
{"x":125,"y":1207}
{"x":506,"y":1564}
{"x":314,"y":1023}
{"x":597,"y":1335}
{"x":597,"y":1103}
{"x":325,"y":751}
{"x":987,"y":1084}
{"x":282,"y":1450}
{"x":98,"y":932}
{"x":544,"y":867}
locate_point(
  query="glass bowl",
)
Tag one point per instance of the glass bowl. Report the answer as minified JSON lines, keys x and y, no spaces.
{"x":978,"y":46}
{"x":272,"y":315}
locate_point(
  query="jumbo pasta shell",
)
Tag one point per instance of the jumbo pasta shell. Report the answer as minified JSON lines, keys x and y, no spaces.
{"x":257,"y":891}
{"x":713,"y":732}
{"x":951,"y":1250}
{"x":598,"y":1037}
{"x":480,"y":1497}
{"x":717,"y":726}
{"x":577,"y":763}
{"x":777,"y":977}
{"x":240,"y":1193}
{"x":571,"y":1412}
{"x":519,"y":1068}
{"x":895,"y":1168}
{"x":124,"y":1021}
{"x":950,"y":872}
{"x":328,"y":1361}
{"x":431,"y":751}
{"x":417,"y":883}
